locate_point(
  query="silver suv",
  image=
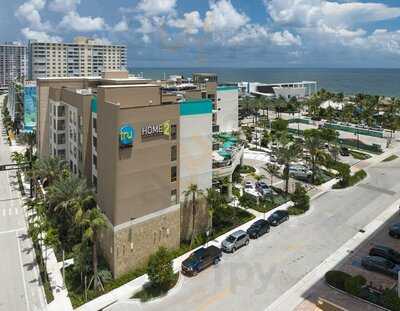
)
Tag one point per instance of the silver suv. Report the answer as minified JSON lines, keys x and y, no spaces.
{"x":236,"y":240}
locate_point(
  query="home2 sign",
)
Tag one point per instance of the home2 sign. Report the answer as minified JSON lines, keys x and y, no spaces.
{"x":126,"y":136}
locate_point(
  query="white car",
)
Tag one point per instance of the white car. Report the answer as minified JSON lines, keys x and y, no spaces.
{"x":248,"y":185}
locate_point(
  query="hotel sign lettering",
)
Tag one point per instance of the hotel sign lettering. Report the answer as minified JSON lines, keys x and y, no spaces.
{"x":126,"y":136}
{"x":156,"y":130}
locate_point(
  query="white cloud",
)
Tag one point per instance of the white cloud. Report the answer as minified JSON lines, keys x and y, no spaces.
{"x":190,"y":23}
{"x":63,"y":5}
{"x":222,"y":17}
{"x":156,"y":7}
{"x":308,"y":13}
{"x":122,"y":26}
{"x":30,"y":12}
{"x":257,"y":35}
{"x":41,"y":36}
{"x":285,"y":38}
{"x":79,"y":23}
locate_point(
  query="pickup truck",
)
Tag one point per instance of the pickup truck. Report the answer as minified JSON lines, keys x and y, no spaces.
{"x":201,"y":259}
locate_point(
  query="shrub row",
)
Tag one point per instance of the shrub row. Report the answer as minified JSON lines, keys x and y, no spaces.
{"x":351,"y":180}
{"x":356,"y":286}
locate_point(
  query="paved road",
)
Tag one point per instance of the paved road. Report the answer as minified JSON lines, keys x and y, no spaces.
{"x":20,"y":288}
{"x":257,"y":275}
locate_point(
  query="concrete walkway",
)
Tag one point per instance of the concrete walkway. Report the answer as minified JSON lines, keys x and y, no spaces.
{"x":61,"y":300}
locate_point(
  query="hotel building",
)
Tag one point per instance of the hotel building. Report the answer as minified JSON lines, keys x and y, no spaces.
{"x":139,"y":147}
{"x":82,"y":58}
{"x":13,"y":63}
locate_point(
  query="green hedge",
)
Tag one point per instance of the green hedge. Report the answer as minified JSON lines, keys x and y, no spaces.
{"x":352,"y":180}
{"x":356,"y":286}
{"x":337,"y":278}
{"x":246,"y":169}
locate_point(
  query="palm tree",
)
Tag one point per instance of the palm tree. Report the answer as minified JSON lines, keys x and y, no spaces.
{"x":214,"y":202}
{"x":193,"y":191}
{"x":69,"y":195}
{"x":29,"y":139}
{"x":18,"y":158}
{"x":313,"y":142}
{"x":50,"y":169}
{"x":93,"y":221}
{"x":272,"y":170}
{"x":287,"y":153}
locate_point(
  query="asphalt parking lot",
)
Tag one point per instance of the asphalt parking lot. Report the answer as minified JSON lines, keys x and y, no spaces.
{"x":352,"y":264}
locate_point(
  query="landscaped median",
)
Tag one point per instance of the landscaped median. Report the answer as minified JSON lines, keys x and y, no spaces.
{"x":357,"y":287}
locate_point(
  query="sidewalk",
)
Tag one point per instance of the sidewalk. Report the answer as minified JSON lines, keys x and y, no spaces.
{"x":61,"y":301}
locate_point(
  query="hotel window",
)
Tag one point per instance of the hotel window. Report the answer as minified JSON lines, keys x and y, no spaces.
{"x":95,"y":161}
{"x":173,"y":153}
{"x":173,"y":131}
{"x":95,"y":183}
{"x":174,"y":197}
{"x":95,"y":124}
{"x":173,"y":174}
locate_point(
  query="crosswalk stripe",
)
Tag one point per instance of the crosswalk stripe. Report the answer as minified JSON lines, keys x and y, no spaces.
{"x":4,"y":212}
{"x":16,"y":211}
{"x":9,"y":211}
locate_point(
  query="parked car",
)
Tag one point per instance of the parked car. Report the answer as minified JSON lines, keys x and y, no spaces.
{"x":385,"y":252}
{"x":381,"y":265}
{"x":248,"y":185}
{"x":394,"y":231}
{"x":299,"y":171}
{"x":263,"y":188}
{"x":344,"y":151}
{"x":258,"y":228}
{"x":201,"y":259}
{"x":278,"y":217}
{"x":234,"y":241}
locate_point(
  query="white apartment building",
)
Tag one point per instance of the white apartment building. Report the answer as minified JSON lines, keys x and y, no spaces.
{"x":84,"y":57}
{"x":227,"y":109}
{"x":286,"y":90}
{"x":13,"y":63}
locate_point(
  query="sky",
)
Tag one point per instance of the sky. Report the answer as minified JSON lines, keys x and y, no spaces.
{"x":219,"y":33}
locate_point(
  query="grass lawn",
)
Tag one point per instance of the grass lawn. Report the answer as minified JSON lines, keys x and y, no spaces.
{"x":268,"y":205}
{"x":150,"y":292}
{"x":359,"y":155}
{"x":391,"y":158}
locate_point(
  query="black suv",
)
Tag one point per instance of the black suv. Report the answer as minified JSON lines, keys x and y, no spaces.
{"x":344,"y":151}
{"x":385,"y":252}
{"x":394,"y":231}
{"x":258,"y":228}
{"x":381,"y":265}
{"x":278,"y":217}
{"x":201,"y":259}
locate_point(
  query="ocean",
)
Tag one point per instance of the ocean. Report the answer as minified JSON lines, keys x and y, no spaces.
{"x":384,"y":82}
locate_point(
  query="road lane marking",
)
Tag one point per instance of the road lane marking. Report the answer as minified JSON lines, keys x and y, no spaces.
{"x":12,"y":231}
{"x":23,"y":273}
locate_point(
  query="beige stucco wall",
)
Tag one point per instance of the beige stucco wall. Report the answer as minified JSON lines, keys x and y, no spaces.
{"x":129,"y":248}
